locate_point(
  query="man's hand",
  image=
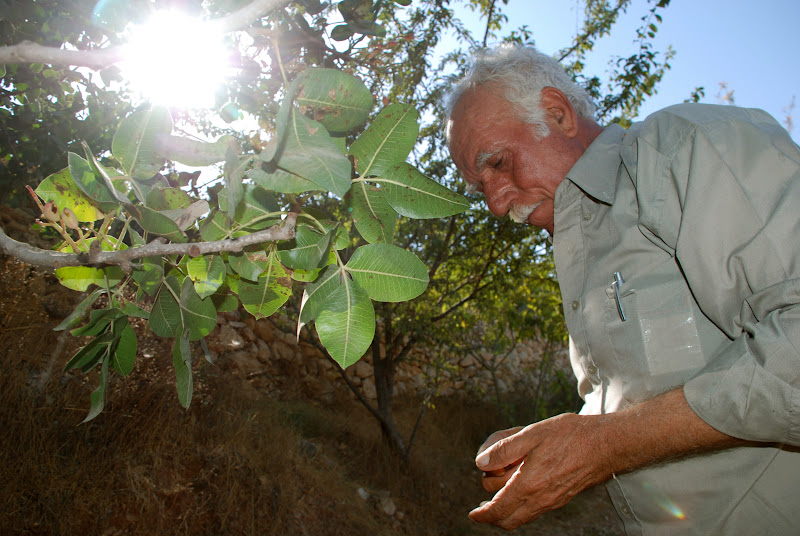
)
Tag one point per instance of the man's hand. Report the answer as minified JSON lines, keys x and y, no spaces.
{"x":542,"y":466}
{"x":537,"y":469}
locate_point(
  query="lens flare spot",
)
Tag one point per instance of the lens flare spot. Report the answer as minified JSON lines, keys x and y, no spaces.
{"x":663,"y":501}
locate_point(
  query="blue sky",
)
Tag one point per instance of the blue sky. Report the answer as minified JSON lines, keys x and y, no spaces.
{"x":751,"y":46}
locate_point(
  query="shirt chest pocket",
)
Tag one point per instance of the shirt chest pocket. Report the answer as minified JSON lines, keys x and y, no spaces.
{"x":658,"y":341}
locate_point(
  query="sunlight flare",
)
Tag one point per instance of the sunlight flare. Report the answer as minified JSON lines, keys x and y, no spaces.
{"x":176,"y":60}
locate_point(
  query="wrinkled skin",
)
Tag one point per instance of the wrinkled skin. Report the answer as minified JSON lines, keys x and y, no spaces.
{"x":549,"y":468}
{"x":505,"y":158}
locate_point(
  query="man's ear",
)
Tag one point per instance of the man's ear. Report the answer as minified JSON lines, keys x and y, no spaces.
{"x":559,"y":111}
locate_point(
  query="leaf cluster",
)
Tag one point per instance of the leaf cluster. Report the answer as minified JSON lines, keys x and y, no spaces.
{"x":132,"y":204}
{"x":46,"y":111}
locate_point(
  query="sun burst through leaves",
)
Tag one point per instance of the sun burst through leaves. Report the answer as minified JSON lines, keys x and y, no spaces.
{"x":176,"y":60}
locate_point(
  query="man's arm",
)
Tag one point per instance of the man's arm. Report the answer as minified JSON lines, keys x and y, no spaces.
{"x":562,"y":456}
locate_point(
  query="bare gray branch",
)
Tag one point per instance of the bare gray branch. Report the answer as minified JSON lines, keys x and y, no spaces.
{"x":30,"y":52}
{"x":56,"y":259}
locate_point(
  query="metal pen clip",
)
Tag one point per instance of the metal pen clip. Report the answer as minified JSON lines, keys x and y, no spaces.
{"x":615,"y":285}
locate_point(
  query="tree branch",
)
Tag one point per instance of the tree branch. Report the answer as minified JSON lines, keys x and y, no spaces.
{"x":95,"y":257}
{"x":251,"y":12}
{"x":30,"y":52}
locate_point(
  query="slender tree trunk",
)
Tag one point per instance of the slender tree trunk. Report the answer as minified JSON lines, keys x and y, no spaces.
{"x":383,"y":368}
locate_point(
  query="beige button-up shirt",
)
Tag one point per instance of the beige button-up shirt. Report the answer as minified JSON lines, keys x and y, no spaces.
{"x":677,"y":248}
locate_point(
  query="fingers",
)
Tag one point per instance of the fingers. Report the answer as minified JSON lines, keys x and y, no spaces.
{"x":506,"y":451}
{"x":493,"y":481}
{"x":497,"y":436}
{"x":508,"y":509}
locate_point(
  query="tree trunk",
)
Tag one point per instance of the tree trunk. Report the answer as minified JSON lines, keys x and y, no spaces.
{"x":383,"y":368}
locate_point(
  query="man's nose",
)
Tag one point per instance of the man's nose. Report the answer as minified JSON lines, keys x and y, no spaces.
{"x":500,"y":193}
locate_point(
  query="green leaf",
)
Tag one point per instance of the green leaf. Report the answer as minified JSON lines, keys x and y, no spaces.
{"x":80,"y":311}
{"x":316,"y":294}
{"x":341,"y":32}
{"x":414,"y":195}
{"x":116,"y":183}
{"x":88,"y":356}
{"x":307,"y":251}
{"x":149,"y":274}
{"x":341,"y":238}
{"x":346,"y":324}
{"x":388,"y":273}
{"x":374,"y":217}
{"x":248,"y":264}
{"x":94,"y":186}
{"x":168,"y":199}
{"x":190,"y":314}
{"x":135,"y":143}
{"x":160,"y":224}
{"x":191,"y":152}
{"x":207,"y":272}
{"x":310,"y":153}
{"x":215,"y":228}
{"x":182,"y":361}
{"x":235,"y":167}
{"x":131,"y":309}
{"x":125,"y":351}
{"x":199,"y":315}
{"x":281,"y":181}
{"x":257,"y":208}
{"x":98,"y":396}
{"x":80,"y":278}
{"x":269,"y":292}
{"x":388,"y":140}
{"x":225,"y":302}
{"x":165,"y":316}
{"x":339,"y":101}
{"x":99,"y":319}
{"x":61,"y":190}
{"x":311,"y":275}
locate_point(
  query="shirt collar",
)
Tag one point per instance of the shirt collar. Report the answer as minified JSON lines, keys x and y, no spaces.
{"x":595,"y":172}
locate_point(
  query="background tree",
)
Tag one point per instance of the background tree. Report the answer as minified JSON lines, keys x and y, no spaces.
{"x":47,"y":110}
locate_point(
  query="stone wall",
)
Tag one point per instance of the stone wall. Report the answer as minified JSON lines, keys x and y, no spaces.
{"x":275,"y":360}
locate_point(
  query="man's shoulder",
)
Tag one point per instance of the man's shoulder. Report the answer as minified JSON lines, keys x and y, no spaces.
{"x":674,"y":124}
{"x":707,"y":114}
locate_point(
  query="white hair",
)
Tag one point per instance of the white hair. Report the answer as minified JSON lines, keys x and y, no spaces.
{"x":520,"y":73}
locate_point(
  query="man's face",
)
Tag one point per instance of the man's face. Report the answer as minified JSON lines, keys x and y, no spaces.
{"x":503,"y":157}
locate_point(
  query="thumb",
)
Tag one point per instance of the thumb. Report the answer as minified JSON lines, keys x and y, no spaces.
{"x":504,"y":453}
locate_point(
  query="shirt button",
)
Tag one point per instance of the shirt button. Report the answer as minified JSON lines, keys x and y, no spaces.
{"x":575,"y":305}
{"x":587,"y":216}
{"x":591,"y":370}
{"x":625,"y":510}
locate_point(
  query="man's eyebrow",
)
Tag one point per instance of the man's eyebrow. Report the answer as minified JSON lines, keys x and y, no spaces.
{"x":480,"y":160}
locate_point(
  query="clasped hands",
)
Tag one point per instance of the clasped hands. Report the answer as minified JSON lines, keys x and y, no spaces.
{"x":538,"y":468}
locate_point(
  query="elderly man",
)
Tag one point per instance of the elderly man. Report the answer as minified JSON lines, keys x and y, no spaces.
{"x":677,"y":248}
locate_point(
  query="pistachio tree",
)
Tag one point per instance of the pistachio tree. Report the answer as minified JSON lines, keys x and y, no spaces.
{"x":154,"y":246}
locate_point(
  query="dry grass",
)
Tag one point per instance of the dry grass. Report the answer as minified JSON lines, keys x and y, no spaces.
{"x":237,"y":462}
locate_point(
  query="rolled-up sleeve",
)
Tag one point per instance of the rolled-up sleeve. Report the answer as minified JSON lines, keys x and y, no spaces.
{"x":729,"y":192}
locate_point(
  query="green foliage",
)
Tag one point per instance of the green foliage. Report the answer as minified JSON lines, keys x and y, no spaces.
{"x":185,"y":289}
{"x":46,"y":111}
